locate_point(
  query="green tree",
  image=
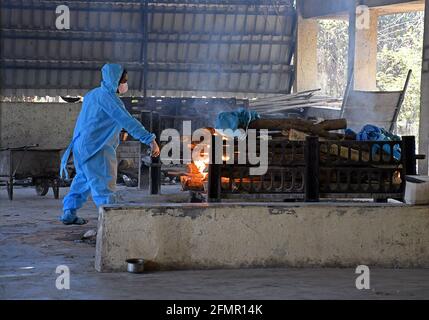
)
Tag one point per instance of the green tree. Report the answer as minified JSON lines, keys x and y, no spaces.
{"x":332,"y":47}
{"x":400,"y":41}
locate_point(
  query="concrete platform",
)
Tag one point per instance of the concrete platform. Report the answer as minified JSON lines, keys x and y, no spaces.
{"x":235,"y":235}
{"x":33,"y":243}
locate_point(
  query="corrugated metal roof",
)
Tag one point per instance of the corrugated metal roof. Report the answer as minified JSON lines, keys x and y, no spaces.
{"x":213,"y":48}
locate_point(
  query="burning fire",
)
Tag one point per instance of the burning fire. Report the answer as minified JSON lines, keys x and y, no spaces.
{"x":202,"y":166}
{"x":197,"y":174}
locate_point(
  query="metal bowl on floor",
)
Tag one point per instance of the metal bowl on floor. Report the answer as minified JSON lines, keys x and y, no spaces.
{"x":135,"y":265}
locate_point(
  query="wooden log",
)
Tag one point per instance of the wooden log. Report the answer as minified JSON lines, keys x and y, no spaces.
{"x":297,"y":124}
{"x":177,"y":173}
{"x":191,"y":184}
{"x":296,"y":135}
{"x":279,"y":124}
{"x":333,"y":124}
{"x":344,"y":152}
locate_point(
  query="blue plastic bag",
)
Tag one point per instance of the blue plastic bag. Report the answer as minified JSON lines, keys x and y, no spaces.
{"x":373,"y":133}
{"x":235,"y":119}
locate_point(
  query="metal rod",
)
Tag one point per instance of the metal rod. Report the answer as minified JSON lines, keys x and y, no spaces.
{"x":155,"y":168}
{"x":154,"y":8}
{"x":214,"y":182}
{"x":311,"y":175}
{"x":409,"y":154}
{"x":144,"y":47}
{"x":143,"y":181}
{"x":400,"y":102}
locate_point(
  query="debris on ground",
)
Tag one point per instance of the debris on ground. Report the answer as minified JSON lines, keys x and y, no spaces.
{"x":89,"y":234}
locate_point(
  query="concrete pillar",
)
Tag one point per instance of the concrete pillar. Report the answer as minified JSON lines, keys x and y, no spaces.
{"x":352,"y":42}
{"x":424,"y":102}
{"x":306,"y":54}
{"x":365,"y":67}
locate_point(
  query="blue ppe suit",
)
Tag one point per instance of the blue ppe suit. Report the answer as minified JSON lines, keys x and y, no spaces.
{"x":95,"y":139}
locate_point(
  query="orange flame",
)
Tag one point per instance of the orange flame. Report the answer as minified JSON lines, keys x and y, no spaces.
{"x":201,"y":166}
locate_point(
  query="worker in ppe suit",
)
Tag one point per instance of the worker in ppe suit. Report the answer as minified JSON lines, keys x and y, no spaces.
{"x":94,"y":143}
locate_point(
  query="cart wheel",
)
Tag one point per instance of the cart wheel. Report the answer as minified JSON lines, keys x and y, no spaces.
{"x":9,"y":185}
{"x":42,"y":189}
{"x":56,"y":189}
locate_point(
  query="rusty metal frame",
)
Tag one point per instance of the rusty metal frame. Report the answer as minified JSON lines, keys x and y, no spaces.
{"x":322,"y":173}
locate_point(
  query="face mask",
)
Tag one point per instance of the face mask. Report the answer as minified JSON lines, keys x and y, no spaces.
{"x":123,"y":87}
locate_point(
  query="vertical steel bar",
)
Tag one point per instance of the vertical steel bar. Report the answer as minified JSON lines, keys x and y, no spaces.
{"x":143,"y":178}
{"x":271,"y":47}
{"x":156,"y":44}
{"x":292,"y":50}
{"x":144,"y":5}
{"x":312,"y":159}
{"x":260,"y":45}
{"x":409,"y":155}
{"x":145,"y":44}
{"x":155,"y":168}
{"x":214,"y":183}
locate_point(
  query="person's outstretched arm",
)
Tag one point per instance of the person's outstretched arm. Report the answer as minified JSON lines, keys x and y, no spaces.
{"x":115,"y":108}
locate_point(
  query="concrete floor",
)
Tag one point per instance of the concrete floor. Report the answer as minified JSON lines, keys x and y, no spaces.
{"x":33,"y":243}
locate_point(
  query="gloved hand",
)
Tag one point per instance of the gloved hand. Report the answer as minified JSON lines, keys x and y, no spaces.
{"x":155,"y":149}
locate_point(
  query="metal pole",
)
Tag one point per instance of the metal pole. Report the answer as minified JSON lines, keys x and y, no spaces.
{"x":145,"y":41}
{"x":292,"y":52}
{"x":214,"y":183}
{"x":155,"y":168}
{"x":311,"y":174}
{"x":400,"y":102}
{"x":145,"y":119}
{"x":144,"y":47}
{"x":409,"y":154}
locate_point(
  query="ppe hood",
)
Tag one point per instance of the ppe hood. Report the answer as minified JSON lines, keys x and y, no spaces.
{"x":111,"y":74}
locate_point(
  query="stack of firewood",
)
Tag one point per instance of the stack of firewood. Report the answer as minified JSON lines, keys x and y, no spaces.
{"x":192,"y":179}
{"x":298,"y":129}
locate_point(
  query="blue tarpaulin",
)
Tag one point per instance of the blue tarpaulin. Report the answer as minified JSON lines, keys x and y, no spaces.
{"x":235,"y":119}
{"x":373,"y":133}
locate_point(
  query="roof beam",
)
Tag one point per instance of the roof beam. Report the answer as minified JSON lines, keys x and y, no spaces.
{"x":317,"y":8}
